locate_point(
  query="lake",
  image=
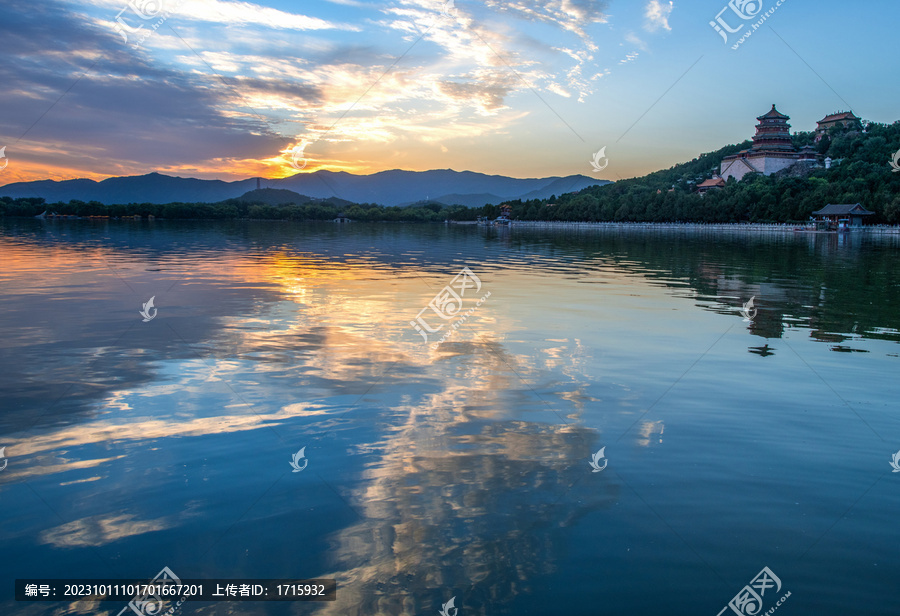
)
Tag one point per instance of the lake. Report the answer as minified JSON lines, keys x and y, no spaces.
{"x":524,"y":421}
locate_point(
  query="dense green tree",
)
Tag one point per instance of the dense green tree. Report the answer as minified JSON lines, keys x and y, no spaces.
{"x":861,"y":174}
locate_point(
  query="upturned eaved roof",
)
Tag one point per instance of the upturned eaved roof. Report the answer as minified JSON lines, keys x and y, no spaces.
{"x":773,"y":114}
{"x":711,"y":183}
{"x":835,"y":117}
{"x":843,"y":210}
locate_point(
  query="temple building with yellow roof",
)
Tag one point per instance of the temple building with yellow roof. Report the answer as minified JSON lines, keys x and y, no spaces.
{"x":772,"y":149}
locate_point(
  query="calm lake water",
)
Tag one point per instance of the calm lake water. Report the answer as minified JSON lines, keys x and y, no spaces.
{"x":459,"y":469}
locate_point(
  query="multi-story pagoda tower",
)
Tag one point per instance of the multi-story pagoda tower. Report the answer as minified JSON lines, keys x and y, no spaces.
{"x":772,"y":150}
{"x":773,"y":133}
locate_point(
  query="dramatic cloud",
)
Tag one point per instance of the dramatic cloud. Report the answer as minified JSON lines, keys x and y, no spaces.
{"x":657,"y":14}
{"x":570,"y":15}
{"x":213,"y":11}
{"x":485,"y":90}
{"x":219,"y":88}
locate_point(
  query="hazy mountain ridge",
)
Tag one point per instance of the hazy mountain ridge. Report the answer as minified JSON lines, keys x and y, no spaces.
{"x":389,"y":188}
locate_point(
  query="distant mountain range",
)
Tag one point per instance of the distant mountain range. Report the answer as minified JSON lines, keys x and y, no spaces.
{"x":386,"y":188}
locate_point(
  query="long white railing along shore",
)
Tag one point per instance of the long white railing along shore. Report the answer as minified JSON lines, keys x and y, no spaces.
{"x":784,"y":228}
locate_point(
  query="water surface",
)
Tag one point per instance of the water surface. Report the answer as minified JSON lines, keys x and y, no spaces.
{"x":458,"y":469}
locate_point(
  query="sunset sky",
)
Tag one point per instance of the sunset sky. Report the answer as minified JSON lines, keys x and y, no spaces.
{"x":524,"y":88}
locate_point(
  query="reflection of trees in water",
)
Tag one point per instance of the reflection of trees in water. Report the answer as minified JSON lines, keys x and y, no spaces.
{"x":824,"y":282}
{"x":856,"y":269}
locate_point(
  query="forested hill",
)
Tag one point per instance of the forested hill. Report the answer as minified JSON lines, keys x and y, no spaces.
{"x":863,"y":176}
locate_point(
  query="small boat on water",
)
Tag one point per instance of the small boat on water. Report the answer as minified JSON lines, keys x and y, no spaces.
{"x":503,"y":219}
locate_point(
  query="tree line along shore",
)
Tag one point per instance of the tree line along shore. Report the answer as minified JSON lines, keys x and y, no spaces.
{"x":862,"y":173}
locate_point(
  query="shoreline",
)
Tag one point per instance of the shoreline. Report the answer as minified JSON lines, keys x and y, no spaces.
{"x":521,"y":224}
{"x":779,"y":227}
